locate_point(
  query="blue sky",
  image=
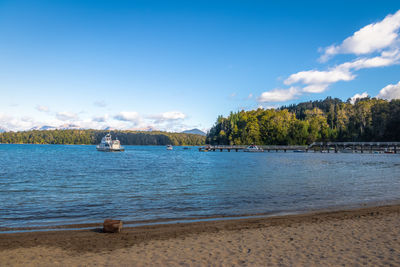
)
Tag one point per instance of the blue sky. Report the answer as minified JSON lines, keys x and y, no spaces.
{"x":175,"y":65}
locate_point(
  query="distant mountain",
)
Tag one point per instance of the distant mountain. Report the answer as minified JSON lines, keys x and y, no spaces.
{"x":61,"y":127}
{"x":69,"y":127}
{"x":43,"y":128}
{"x":195,"y":131}
{"x":144,"y":129}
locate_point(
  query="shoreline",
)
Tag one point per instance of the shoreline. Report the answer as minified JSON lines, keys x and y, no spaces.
{"x":154,"y":229}
{"x":364,"y":236}
{"x":212,"y":218}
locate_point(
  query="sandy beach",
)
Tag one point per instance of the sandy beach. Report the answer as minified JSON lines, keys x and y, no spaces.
{"x":367,"y":236}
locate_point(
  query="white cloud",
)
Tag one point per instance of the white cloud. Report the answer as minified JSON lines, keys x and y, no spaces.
{"x":279,"y":95}
{"x":4,"y":120}
{"x":391,"y":91}
{"x":168,"y":121}
{"x":320,"y":77}
{"x":173,"y":115}
{"x":316,"y":81}
{"x":250,"y":96}
{"x":131,"y":116}
{"x":145,"y":128}
{"x":387,"y":58}
{"x":315,"y":88}
{"x":66,"y":116}
{"x":175,"y":126}
{"x":168,"y":116}
{"x":11,"y":123}
{"x":100,"y":118}
{"x":372,"y":38}
{"x":42,"y":108}
{"x":358,"y":96}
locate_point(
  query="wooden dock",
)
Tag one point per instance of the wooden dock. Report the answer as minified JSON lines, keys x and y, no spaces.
{"x":357,"y":147}
{"x":275,"y":148}
{"x":323,"y":147}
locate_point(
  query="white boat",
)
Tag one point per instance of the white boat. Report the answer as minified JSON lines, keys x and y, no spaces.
{"x":253,"y":148}
{"x":109,"y":145}
{"x":169,"y":147}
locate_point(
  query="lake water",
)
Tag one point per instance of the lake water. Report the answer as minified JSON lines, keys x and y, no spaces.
{"x":46,"y":185}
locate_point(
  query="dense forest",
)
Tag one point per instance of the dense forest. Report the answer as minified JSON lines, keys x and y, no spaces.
{"x":327,"y":120}
{"x":94,"y":137}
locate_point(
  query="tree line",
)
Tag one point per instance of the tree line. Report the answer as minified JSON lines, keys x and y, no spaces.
{"x":90,"y":137}
{"x":300,"y":124}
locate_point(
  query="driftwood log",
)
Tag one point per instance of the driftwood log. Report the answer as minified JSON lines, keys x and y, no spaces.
{"x":112,"y":226}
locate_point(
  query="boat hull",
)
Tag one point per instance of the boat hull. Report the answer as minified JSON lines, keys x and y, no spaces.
{"x":110,"y":149}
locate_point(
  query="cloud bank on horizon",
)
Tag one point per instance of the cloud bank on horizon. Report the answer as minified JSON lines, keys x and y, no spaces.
{"x":375,"y":45}
{"x":124,"y":120}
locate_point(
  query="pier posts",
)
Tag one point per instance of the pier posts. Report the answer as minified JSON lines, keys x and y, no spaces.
{"x":360,"y":147}
{"x":323,"y":147}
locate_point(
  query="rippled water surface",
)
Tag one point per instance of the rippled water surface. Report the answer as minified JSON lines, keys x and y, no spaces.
{"x":56,"y":184}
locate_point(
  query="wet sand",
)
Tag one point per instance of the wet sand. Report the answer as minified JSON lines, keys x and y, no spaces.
{"x":368,"y":236}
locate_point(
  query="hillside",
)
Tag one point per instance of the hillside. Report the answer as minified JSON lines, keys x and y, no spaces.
{"x":304,"y":123}
{"x":94,"y":137}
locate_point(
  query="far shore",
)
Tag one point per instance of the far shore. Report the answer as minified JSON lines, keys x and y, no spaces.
{"x":363,"y":236}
